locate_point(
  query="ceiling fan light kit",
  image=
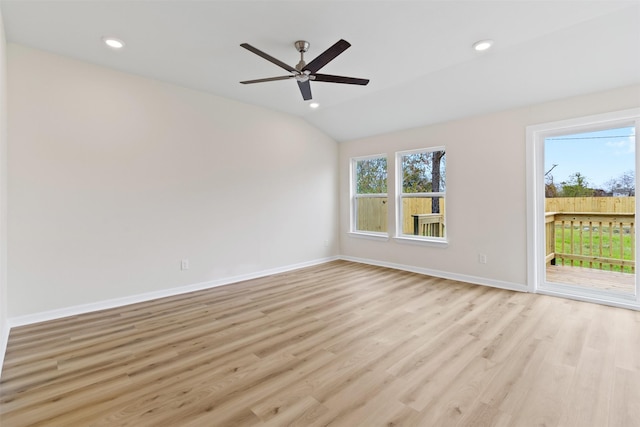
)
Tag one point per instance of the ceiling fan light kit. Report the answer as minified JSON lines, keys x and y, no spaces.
{"x":303,"y":73}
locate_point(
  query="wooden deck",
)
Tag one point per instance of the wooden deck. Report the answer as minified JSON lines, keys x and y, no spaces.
{"x":592,"y":278}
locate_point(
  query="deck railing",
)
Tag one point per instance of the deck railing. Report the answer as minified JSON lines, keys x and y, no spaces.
{"x":591,"y":239}
{"x":431,"y":225}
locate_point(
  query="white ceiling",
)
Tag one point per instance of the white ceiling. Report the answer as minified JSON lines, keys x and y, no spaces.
{"x":417,"y":53}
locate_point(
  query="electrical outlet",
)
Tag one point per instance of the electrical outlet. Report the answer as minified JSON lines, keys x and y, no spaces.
{"x":482,"y":258}
{"x":326,"y":243}
{"x":184,"y":264}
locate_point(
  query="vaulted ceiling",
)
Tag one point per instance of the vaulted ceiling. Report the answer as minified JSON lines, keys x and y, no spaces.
{"x":417,"y":54}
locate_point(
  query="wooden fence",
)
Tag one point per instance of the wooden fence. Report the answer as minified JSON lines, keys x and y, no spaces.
{"x":591,"y":204}
{"x":373,"y":212}
{"x":417,"y":206}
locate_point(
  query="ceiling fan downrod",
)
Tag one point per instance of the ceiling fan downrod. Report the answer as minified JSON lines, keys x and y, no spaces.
{"x":301,"y":46}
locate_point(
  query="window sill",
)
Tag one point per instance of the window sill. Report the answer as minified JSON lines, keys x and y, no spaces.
{"x":371,"y":236}
{"x":421,"y":241}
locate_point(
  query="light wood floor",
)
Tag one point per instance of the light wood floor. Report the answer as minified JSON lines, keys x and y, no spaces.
{"x":340,"y":344}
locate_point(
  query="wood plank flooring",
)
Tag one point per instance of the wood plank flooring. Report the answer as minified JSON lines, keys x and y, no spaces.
{"x":339,"y":344}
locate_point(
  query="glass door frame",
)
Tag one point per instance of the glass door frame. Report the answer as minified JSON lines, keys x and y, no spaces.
{"x":536,"y":265}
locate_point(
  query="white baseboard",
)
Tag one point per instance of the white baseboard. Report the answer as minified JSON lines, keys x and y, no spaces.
{"x":133,"y":299}
{"x":119,"y":302}
{"x":443,"y":274}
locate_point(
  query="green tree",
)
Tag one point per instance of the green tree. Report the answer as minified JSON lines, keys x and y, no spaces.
{"x":415,"y":176}
{"x":424,"y":173}
{"x":371,"y":176}
{"x":576,"y":186}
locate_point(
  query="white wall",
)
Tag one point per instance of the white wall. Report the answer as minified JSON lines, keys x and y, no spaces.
{"x":114,"y":178}
{"x":486,"y":189}
{"x":4,"y":326}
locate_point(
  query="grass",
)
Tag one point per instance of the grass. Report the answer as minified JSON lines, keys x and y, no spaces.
{"x":591,"y":243}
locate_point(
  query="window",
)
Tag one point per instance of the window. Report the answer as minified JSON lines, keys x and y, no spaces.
{"x":369,"y":194}
{"x":421,"y":194}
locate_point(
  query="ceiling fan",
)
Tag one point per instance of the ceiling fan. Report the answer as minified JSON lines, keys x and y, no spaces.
{"x":303,"y":72}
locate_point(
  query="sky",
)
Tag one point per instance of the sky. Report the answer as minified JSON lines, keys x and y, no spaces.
{"x":598,"y":156}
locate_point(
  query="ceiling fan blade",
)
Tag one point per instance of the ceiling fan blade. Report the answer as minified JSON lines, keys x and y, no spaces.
{"x":327,"y":56}
{"x":339,"y":79}
{"x":269,"y":57}
{"x":268,"y":79}
{"x":305,"y":90}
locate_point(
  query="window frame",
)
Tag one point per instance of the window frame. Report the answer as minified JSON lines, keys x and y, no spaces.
{"x":400,"y":195}
{"x":354,"y":196}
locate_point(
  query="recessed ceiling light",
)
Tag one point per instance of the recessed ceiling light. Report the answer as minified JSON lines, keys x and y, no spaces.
{"x":314,"y":105}
{"x":113,"y":42}
{"x":482,"y":45}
